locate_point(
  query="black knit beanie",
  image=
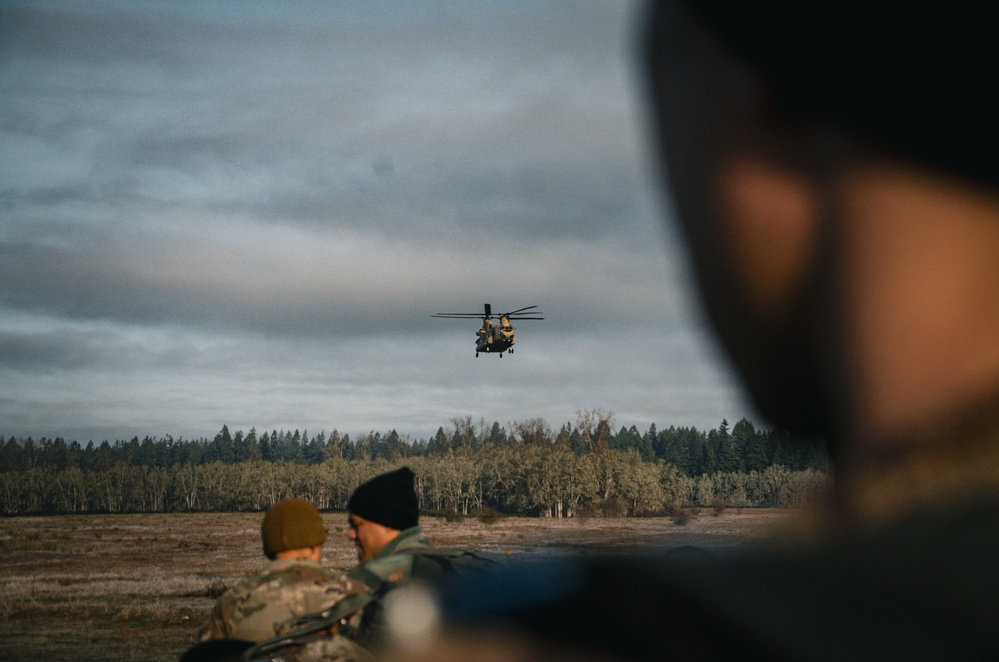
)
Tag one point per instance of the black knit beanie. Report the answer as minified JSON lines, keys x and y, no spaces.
{"x":388,"y":499}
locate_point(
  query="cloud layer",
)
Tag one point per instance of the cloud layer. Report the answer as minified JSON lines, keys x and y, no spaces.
{"x":246,"y":215}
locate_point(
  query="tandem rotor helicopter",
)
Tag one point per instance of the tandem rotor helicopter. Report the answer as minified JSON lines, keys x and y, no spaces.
{"x":495,"y":338}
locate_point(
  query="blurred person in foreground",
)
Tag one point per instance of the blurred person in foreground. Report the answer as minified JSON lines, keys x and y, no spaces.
{"x":835,"y":175}
{"x":293,"y":583}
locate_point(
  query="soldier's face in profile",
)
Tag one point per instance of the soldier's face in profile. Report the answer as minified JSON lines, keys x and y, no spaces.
{"x":367,"y":537}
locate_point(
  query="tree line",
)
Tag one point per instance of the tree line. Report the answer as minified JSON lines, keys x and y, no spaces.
{"x":526,"y":469}
{"x":691,"y":451}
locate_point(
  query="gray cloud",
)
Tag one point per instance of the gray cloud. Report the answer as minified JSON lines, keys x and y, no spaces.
{"x":211,"y":215}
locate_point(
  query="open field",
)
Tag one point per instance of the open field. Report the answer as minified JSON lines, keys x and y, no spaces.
{"x":138,"y":587}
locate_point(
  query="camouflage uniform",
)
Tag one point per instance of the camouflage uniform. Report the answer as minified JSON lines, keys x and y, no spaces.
{"x":253,"y":609}
{"x":327,"y":648}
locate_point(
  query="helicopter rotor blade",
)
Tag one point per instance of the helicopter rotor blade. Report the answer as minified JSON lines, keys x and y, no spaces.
{"x":519,"y":314}
{"x":514,"y":312}
{"x":467,"y":316}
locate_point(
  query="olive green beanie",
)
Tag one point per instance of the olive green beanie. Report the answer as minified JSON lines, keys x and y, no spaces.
{"x":291,"y":524}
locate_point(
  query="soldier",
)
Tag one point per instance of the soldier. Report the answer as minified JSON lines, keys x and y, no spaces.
{"x":383,"y":525}
{"x":834,"y":171}
{"x":293,"y":583}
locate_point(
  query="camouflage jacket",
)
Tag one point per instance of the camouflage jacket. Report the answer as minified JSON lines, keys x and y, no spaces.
{"x":392,"y":564}
{"x":253,"y":608}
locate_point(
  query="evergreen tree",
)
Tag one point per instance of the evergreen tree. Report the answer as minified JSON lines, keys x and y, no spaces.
{"x":438,"y":444}
{"x":497,"y":435}
{"x":726,"y":456}
{"x":103,"y":458}
{"x":395,"y":447}
{"x":10,"y":456}
{"x":753,"y":448}
{"x":267,"y":450}
{"x":315,"y":450}
{"x":248,"y":447}
{"x":349,"y":452}
{"x":221,"y":447}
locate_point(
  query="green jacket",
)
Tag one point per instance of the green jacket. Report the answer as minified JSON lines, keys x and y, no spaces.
{"x":394,"y":564}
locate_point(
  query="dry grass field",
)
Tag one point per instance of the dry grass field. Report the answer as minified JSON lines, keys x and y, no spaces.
{"x":138,"y":587}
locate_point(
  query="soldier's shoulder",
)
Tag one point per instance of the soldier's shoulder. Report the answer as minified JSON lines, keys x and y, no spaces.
{"x":315,"y":575}
{"x":394,"y":567}
{"x":241,"y":590}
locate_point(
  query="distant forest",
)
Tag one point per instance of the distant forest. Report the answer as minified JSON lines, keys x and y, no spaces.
{"x":526,"y":468}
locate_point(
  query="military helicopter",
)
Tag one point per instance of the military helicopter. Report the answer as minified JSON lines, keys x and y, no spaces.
{"x":494,"y":338}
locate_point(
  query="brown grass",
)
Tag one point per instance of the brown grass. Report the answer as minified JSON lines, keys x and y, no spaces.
{"x":139,"y":587}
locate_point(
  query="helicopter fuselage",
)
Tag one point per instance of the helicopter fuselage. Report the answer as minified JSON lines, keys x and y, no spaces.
{"x":495,"y":339}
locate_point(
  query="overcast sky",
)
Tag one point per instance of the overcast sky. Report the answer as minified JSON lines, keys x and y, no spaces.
{"x":245,"y":213}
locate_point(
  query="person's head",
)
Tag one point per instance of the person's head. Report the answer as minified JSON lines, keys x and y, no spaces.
{"x":761,"y":108}
{"x":292,"y":528}
{"x":380,"y":509}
